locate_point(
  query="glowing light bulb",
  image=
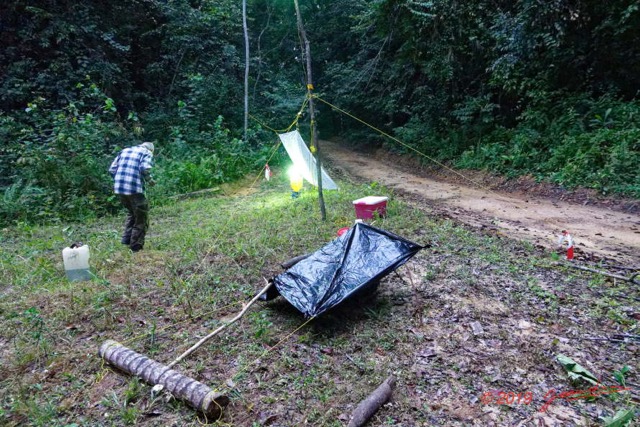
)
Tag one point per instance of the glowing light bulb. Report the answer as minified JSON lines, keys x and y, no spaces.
{"x":295,"y":180}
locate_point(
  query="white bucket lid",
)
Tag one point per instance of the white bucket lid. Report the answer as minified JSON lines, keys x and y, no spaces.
{"x":370,"y":200}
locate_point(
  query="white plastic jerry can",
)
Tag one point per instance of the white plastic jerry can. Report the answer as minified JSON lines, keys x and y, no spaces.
{"x":76,"y":262}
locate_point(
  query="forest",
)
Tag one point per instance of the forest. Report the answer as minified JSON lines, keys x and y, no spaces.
{"x":547,"y":89}
{"x":513,"y":303}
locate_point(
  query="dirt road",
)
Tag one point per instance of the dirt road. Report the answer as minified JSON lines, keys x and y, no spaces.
{"x":598,"y":232}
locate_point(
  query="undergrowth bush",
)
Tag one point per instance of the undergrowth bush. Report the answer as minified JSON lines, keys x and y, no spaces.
{"x":54,"y":161}
{"x":198,"y":150}
{"x":574,"y":142}
{"x":193,"y":159}
{"x":605,"y":159}
{"x":55,"y":158}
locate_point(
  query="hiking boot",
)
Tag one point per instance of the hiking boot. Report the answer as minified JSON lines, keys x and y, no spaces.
{"x":135,"y":248}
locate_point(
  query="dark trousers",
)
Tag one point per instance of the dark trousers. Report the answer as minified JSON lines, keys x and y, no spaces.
{"x":135,"y":227}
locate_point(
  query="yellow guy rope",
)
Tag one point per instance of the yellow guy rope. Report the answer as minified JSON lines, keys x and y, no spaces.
{"x":103,"y":371}
{"x":273,"y":347}
{"x":407,"y":146}
{"x":144,"y":334}
{"x":244,"y":368}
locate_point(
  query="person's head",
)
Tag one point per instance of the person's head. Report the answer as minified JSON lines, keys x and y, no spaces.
{"x":148,"y":145}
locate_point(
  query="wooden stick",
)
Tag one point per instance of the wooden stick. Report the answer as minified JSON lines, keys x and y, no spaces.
{"x":630,"y":336}
{"x":601,"y":339}
{"x":195,"y":193}
{"x":604,"y":273}
{"x":293,"y":261}
{"x":372,"y":403}
{"x":621,"y":267}
{"x":360,"y":368}
{"x":624,"y":296}
{"x":214,"y":333}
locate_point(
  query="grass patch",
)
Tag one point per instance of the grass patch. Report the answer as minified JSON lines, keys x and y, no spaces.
{"x":204,"y":257}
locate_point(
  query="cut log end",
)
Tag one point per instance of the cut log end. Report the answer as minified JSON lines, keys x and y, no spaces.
{"x":213,"y":405}
{"x":372,"y":403}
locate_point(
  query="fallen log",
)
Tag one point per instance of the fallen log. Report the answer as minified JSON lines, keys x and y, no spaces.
{"x":194,"y":393}
{"x":631,"y":279}
{"x":372,"y":403}
{"x":193,"y":194}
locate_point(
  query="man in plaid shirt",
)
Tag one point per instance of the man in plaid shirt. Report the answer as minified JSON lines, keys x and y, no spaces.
{"x":130,"y":170}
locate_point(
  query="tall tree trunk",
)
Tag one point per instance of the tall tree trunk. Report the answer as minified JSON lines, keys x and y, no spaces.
{"x":246,"y":68}
{"x":314,"y":128}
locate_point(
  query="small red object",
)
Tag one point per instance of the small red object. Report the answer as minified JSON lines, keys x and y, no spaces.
{"x":570,"y":252}
{"x":342,"y":231}
{"x":566,"y":237}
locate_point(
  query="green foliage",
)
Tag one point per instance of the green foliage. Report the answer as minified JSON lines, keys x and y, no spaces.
{"x":620,"y":375}
{"x":516,"y":88}
{"x":199,"y":155}
{"x":57,"y":157}
{"x":604,"y":159}
{"x":519,"y":87}
{"x":49,"y":46}
{"x":621,"y":418}
{"x":223,"y":161}
{"x":571,"y":143}
{"x":577,"y":373}
{"x":136,"y":60}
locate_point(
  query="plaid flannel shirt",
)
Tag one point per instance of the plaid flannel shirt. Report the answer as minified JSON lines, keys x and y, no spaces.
{"x":129,"y":168}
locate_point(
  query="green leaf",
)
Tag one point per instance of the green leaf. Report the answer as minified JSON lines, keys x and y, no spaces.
{"x":620,"y":419}
{"x":575,"y":371}
{"x":619,"y":375}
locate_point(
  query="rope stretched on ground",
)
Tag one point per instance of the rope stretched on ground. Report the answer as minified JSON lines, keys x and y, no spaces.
{"x":214,"y":333}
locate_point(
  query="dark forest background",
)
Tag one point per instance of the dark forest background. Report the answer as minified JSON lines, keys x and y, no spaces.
{"x":542,"y":88}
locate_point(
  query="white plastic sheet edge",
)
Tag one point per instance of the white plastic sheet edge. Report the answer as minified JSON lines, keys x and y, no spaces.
{"x":304,"y":161}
